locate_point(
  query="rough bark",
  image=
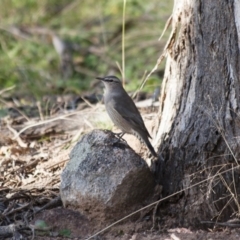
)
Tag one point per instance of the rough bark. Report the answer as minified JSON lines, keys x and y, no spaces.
{"x":199,"y":118}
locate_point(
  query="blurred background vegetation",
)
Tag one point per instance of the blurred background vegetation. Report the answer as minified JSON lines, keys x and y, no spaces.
{"x":60,"y":46}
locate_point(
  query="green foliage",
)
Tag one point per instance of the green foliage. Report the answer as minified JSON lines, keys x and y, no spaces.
{"x":45,"y":229}
{"x":41,"y":224}
{"x":29,"y":60}
{"x":65,"y":233}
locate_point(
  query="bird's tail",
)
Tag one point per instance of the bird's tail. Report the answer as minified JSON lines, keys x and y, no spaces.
{"x":143,"y":137}
{"x":150,"y":147}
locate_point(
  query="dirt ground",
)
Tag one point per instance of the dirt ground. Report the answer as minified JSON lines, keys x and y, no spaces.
{"x":33,"y":152}
{"x":131,"y":230}
{"x":140,"y":230}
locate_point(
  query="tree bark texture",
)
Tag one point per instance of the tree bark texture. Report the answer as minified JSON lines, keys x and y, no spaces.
{"x":199,"y":118}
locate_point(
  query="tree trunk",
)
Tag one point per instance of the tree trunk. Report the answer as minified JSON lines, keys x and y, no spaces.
{"x":199,"y":119}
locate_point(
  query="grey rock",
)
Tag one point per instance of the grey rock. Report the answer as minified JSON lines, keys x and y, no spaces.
{"x":105,"y":178}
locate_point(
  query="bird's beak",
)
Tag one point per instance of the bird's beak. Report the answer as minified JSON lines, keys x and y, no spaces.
{"x":100,"y":78}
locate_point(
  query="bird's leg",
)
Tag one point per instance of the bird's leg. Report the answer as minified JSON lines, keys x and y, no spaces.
{"x":119,"y":136}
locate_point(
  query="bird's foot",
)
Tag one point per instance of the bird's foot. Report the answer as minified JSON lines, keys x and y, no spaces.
{"x":119,"y":137}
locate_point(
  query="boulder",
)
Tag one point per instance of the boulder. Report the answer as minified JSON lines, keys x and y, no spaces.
{"x":105,"y":179}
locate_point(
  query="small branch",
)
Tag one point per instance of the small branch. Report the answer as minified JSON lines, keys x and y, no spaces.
{"x":224,"y":224}
{"x":123,"y":42}
{"x":53,"y":203}
{"x":7,"y":231}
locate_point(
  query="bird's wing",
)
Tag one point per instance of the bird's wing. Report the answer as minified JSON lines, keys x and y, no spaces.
{"x":130,"y":112}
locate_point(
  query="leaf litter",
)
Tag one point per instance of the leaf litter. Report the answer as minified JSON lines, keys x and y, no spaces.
{"x":33,"y":153}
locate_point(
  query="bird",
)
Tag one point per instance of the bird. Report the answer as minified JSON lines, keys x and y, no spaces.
{"x":123,"y":111}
